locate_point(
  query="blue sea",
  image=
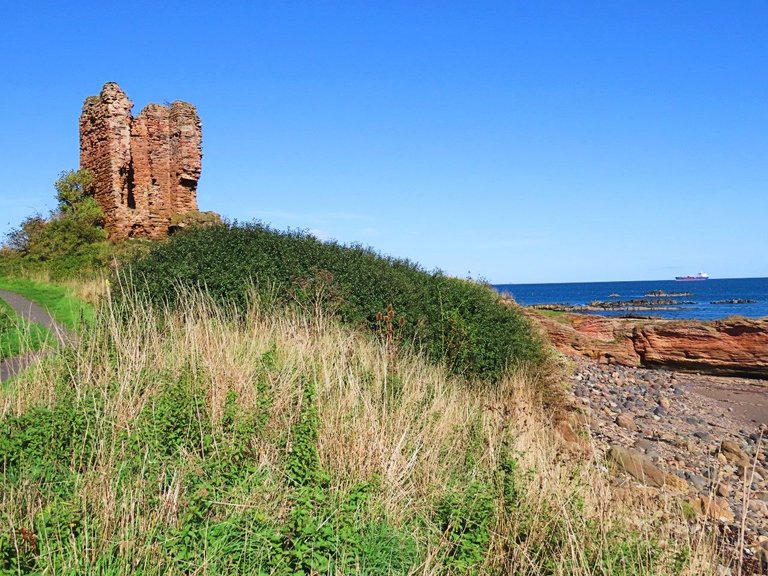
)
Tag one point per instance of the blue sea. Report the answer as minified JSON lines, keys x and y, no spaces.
{"x":703,"y":293}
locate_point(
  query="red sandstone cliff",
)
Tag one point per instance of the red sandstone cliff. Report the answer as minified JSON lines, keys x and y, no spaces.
{"x":146,"y":168}
{"x":734,"y":346}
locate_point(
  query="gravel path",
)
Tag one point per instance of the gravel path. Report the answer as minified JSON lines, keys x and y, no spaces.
{"x":30,"y":312}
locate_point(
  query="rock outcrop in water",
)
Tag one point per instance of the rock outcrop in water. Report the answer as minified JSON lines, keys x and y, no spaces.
{"x":731,"y":347}
{"x":145,"y":168}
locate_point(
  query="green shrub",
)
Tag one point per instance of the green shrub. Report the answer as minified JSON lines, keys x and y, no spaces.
{"x":71,"y":241}
{"x":466,"y":517}
{"x":456,"y":321}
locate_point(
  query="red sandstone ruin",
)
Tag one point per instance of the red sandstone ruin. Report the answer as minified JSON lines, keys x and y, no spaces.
{"x":145,"y":168}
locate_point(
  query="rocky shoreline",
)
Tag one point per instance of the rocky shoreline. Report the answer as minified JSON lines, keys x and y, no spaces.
{"x":648,"y":304}
{"x":734,"y":346}
{"x":702,"y":438}
{"x":633,"y":305}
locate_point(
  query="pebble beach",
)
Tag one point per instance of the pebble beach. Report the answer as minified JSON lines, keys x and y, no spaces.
{"x":707,"y":435}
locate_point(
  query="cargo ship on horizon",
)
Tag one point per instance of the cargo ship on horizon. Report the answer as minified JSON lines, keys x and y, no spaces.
{"x":695,"y":277}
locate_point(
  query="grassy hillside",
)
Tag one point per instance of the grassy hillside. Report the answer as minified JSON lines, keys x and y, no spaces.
{"x":249,"y":401}
{"x":208,"y":439}
{"x":452,"y":321}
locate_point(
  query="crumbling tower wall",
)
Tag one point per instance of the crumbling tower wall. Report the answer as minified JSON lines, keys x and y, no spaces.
{"x":146,"y":168}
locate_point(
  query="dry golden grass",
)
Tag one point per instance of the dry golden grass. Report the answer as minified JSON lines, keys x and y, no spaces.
{"x":391,"y":417}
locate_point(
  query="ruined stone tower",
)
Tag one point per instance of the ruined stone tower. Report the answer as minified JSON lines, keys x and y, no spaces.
{"x":145,"y":168}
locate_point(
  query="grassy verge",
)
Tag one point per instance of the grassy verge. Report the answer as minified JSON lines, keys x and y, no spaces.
{"x":200,"y":440}
{"x":18,"y":336}
{"x":60,"y":302}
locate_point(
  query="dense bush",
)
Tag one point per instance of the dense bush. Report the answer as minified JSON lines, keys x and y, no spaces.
{"x":457,"y":321}
{"x":69,"y":242}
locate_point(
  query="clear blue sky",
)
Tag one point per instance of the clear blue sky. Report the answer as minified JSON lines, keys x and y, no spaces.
{"x":526,"y":141}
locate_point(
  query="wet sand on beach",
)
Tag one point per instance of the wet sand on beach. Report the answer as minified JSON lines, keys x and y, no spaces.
{"x":742,"y":398}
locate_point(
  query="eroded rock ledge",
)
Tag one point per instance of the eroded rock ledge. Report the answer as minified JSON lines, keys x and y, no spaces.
{"x":731,"y":347}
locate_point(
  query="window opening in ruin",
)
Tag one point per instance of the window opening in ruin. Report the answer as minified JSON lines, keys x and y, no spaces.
{"x":129,"y":187}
